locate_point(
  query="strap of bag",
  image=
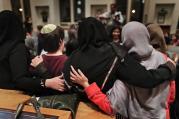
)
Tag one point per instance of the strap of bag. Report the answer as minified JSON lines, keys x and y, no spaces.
{"x":109,"y":72}
{"x":120,"y":54}
{"x":35,"y":104}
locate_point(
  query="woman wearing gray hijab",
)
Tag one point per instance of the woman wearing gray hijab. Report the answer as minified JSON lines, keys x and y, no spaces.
{"x":130,"y":101}
{"x":141,"y":103}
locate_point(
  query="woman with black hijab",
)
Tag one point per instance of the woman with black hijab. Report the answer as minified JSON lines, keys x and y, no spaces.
{"x":95,"y":57}
{"x":15,"y":62}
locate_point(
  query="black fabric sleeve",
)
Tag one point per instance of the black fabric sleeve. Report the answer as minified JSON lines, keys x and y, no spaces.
{"x":20,"y":75}
{"x":42,"y":71}
{"x":131,"y":72}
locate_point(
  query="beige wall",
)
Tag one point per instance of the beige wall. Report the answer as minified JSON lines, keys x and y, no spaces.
{"x":5,"y":5}
{"x":54,"y":16}
{"x":171,"y":17}
{"x":96,"y":2}
{"x":53,"y":11}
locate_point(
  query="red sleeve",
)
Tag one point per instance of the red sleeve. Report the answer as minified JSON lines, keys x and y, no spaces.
{"x":172,"y":86}
{"x":172,"y":92}
{"x":100,"y":99}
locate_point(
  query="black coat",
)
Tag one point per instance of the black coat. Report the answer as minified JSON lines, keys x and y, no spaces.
{"x":14,"y":73}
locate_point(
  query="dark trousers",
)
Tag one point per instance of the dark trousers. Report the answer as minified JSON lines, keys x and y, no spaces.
{"x":174,"y":110}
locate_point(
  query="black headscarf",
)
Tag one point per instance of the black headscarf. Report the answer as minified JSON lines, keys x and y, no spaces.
{"x":94,"y":55}
{"x":91,"y":32}
{"x":11,"y":32}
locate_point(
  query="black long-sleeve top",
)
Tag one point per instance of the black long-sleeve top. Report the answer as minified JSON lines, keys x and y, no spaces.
{"x":14,"y":73}
{"x":131,"y":72}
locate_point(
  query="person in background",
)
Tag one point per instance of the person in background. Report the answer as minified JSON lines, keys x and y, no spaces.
{"x":118,"y":18}
{"x":174,"y":107}
{"x":52,"y":38}
{"x":32,"y":42}
{"x":176,"y":41}
{"x":167,"y":38}
{"x":113,"y":15}
{"x":15,"y":60}
{"x":157,"y":34}
{"x":72,"y":43}
{"x":157,"y":40}
{"x":115,"y":34}
{"x":36,"y":35}
{"x":131,"y":101}
{"x":39,"y":46}
{"x":28,"y":25}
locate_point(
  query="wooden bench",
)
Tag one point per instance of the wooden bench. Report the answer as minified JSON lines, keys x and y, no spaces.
{"x":9,"y":99}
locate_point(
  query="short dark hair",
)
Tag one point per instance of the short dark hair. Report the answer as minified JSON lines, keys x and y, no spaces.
{"x":39,"y":27}
{"x":50,"y":41}
{"x":112,"y":28}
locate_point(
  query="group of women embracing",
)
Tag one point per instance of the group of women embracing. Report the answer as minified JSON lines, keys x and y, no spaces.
{"x":139,"y":85}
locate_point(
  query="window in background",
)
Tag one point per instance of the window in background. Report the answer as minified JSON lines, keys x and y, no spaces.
{"x":16,"y":7}
{"x":178,"y":24}
{"x":79,"y":9}
{"x":27,"y":11}
{"x":65,"y":11}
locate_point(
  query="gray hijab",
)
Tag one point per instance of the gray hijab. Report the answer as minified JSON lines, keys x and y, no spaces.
{"x":135,"y":38}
